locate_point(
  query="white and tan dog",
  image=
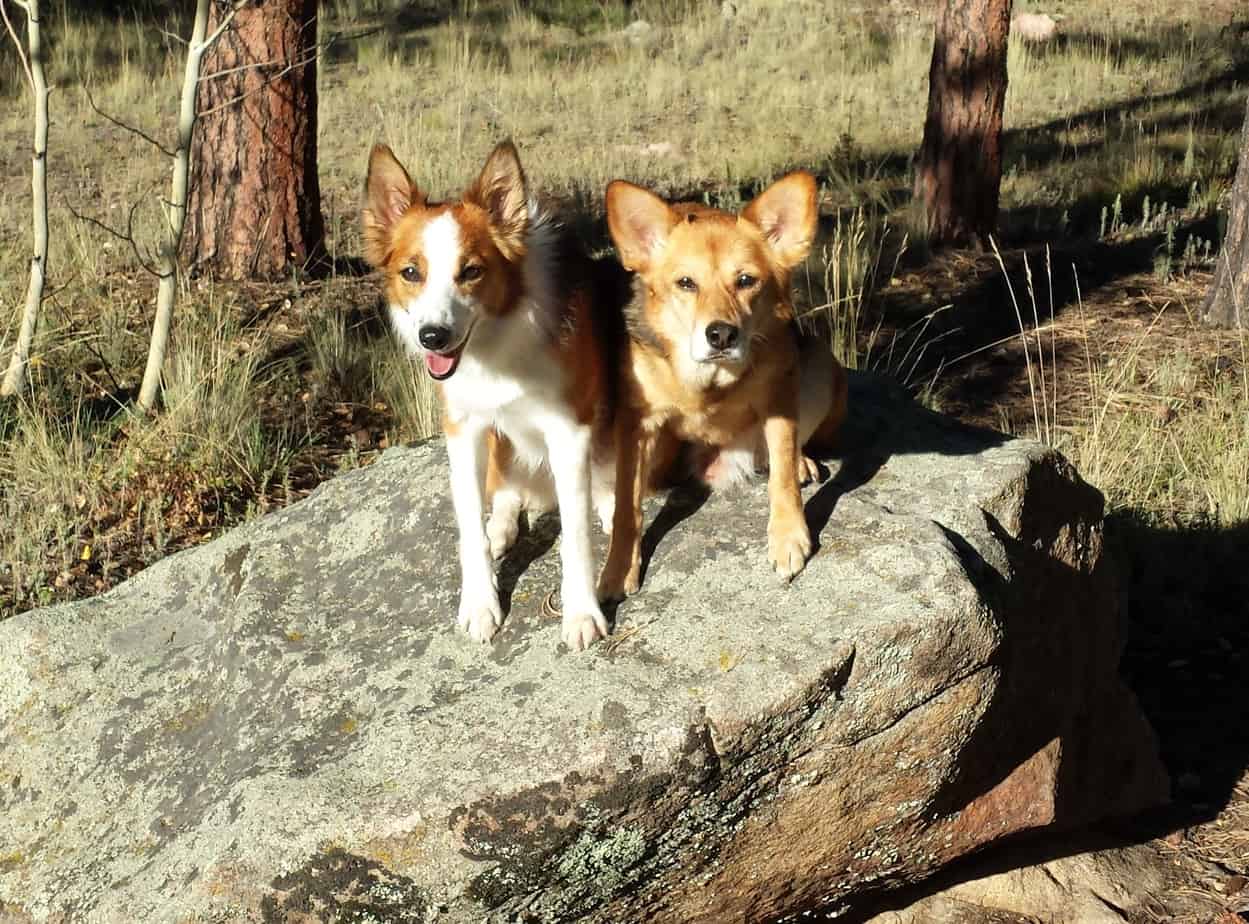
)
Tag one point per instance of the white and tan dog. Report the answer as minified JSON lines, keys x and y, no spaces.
{"x":489,"y":292}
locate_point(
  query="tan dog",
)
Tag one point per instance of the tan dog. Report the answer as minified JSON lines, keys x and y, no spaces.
{"x":714,"y":359}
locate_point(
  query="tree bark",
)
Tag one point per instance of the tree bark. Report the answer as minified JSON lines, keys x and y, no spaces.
{"x":255,"y":210}
{"x":1227,"y":302}
{"x":15,"y":375}
{"x":960,"y":162}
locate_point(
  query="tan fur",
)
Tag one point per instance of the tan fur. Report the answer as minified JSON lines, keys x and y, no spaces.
{"x":696,"y":265}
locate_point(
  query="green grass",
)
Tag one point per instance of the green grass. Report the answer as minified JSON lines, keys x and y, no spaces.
{"x":269,"y":390}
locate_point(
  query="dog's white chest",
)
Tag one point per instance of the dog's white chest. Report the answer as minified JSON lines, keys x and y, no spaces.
{"x":519,"y":407}
{"x":476,"y":391}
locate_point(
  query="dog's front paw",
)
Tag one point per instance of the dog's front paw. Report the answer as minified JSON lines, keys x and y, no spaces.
{"x":480,"y":615}
{"x":789,"y":545}
{"x":581,"y":630}
{"x":583,"y":624}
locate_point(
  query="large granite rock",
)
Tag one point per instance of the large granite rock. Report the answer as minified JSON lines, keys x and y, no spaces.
{"x":286,"y":724}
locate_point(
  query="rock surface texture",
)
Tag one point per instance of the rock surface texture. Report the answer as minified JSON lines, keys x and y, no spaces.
{"x":287,"y":725}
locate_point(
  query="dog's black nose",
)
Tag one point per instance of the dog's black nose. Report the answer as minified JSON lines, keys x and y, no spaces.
{"x":435,"y":337}
{"x":722,"y":336}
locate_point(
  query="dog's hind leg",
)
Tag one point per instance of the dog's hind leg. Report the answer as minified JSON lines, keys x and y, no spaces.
{"x":603,"y":491}
{"x":821,"y":404}
{"x":503,"y":526}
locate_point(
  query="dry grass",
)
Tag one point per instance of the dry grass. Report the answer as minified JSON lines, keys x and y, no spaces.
{"x":1157,"y":417}
{"x":1225,"y":840}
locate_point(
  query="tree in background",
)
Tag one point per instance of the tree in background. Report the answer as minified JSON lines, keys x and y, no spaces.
{"x":176,"y":207}
{"x":32,"y":65}
{"x":1227,"y":303}
{"x":255,"y":209}
{"x":960,"y":161}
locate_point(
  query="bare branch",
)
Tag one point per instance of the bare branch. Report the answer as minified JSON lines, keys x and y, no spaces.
{"x":172,"y":36}
{"x":242,"y":96}
{"x":123,"y":125}
{"x":17,"y":42}
{"x":223,"y":25}
{"x":126,"y":236}
{"x":260,"y":65}
{"x":88,"y":342}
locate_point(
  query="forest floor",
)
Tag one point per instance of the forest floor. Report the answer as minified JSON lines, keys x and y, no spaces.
{"x":1121,"y":141}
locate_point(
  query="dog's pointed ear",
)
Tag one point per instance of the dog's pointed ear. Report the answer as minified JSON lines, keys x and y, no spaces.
{"x":786,"y":213}
{"x":639,"y":222}
{"x":502,"y":191}
{"x":388,"y":193}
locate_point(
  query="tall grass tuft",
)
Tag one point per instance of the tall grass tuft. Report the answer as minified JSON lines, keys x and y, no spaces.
{"x":860,"y":247}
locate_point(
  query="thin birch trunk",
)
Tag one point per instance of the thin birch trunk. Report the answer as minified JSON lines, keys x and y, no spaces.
{"x":175,"y":208}
{"x":15,"y":376}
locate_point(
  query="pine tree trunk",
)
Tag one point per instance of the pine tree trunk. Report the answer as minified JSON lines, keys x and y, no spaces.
{"x":255,"y":210}
{"x":960,"y":162}
{"x":1227,"y":303}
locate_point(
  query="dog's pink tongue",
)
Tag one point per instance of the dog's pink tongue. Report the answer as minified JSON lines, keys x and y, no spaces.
{"x":439,"y":365}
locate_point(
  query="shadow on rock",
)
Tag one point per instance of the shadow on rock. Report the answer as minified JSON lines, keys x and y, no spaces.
{"x":535,"y":540}
{"x":1185,"y":590}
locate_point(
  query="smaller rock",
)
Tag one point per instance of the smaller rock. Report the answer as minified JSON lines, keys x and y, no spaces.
{"x":659,"y":149}
{"x":639,"y":31}
{"x":1086,"y":888}
{"x":1035,"y":27}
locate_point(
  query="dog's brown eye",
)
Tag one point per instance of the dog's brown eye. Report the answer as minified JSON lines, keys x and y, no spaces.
{"x":688,"y":284}
{"x":746,"y":281}
{"x":470,"y":272}
{"x":410,"y":274}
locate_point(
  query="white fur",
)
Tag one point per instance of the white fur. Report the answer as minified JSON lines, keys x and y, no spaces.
{"x":702,"y":374}
{"x":480,"y":614}
{"x":440,"y":301}
{"x":507,"y":380}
